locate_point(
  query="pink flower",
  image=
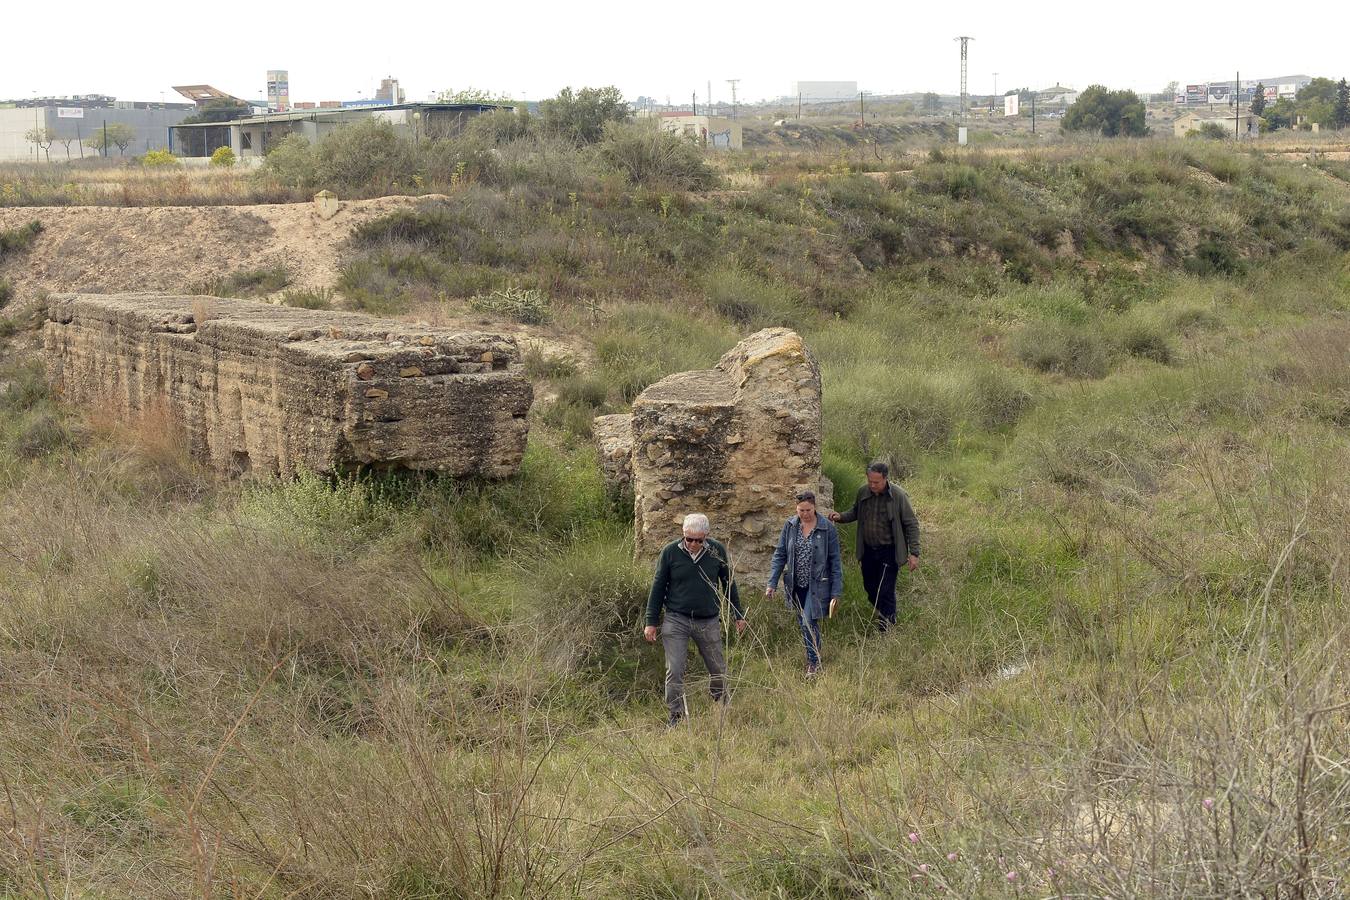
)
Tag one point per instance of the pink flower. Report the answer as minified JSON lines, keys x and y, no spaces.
{"x":923,"y":867}
{"x":1208,"y":803}
{"x":1011,"y":876}
{"x":913,"y":837}
{"x":953,"y":857}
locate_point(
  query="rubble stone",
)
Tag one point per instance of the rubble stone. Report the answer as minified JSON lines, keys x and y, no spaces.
{"x":736,"y":442}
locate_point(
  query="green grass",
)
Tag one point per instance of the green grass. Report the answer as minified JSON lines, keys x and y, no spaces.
{"x":1128,"y":625}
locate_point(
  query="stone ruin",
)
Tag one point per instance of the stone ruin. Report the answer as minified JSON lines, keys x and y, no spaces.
{"x":273,"y":389}
{"x":736,"y":442}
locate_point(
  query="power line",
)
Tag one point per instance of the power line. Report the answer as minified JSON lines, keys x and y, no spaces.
{"x":965,"y":98}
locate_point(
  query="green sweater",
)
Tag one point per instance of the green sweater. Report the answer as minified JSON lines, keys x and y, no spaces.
{"x":692,"y":588}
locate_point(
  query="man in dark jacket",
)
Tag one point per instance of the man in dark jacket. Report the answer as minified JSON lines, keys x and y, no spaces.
{"x":693,"y":578}
{"x":888,"y":537}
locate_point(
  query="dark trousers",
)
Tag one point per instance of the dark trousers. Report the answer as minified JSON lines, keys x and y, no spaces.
{"x":676,"y":633}
{"x":810,"y":627}
{"x":878,"y":572}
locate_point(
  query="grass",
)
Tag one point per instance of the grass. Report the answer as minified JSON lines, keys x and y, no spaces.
{"x":1120,"y":670}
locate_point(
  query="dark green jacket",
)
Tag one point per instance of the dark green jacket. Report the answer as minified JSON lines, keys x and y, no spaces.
{"x":692,"y":588}
{"x":904,"y":524}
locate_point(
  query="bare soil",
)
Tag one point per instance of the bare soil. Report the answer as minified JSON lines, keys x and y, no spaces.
{"x":108,"y":249}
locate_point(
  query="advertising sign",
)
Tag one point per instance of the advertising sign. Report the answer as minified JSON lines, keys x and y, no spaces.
{"x":1197,"y":93}
{"x":1010,"y":104}
{"x":70,"y":112}
{"x":279,"y":89}
{"x":1219,"y":93}
{"x":1272,"y":94}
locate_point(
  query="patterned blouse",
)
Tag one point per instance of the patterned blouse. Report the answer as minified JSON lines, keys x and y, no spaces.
{"x":802,"y":561}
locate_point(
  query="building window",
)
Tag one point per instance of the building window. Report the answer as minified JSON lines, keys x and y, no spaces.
{"x":245,"y":140}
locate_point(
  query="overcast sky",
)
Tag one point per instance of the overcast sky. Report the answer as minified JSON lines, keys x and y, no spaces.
{"x":339,"y":51}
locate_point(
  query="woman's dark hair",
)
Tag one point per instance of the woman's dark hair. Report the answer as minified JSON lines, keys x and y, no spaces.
{"x":807,"y":497}
{"x":880,"y":468}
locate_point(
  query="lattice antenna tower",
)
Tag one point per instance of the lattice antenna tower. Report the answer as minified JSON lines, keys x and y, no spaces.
{"x":733,"y":82}
{"x":965,"y":97}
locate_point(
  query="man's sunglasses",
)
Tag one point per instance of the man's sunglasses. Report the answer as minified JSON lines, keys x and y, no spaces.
{"x":695,"y":540}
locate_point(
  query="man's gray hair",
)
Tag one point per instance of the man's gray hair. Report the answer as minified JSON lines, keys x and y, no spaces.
{"x":697,"y":523}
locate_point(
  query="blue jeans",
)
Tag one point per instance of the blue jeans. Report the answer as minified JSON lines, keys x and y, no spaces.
{"x":810,"y":627}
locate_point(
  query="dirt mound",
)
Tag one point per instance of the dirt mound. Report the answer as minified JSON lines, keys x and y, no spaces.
{"x":106,"y":249}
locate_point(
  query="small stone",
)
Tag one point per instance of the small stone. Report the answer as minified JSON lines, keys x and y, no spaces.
{"x":376,"y":393}
{"x":410,"y":372}
{"x":798,"y":447}
{"x":427,"y":340}
{"x":365,"y":371}
{"x":487,"y":357}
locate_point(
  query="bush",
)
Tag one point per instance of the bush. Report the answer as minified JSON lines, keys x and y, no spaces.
{"x":6,"y":292}
{"x":291,"y":162}
{"x":309,"y":298}
{"x":44,"y":435}
{"x":527,"y":306}
{"x":1146,"y":340}
{"x":647,"y":155}
{"x":1078,"y":351}
{"x":223,"y":157}
{"x":245,"y":283}
{"x":581,"y":116}
{"x":368,"y":154}
{"x":159,"y":159}
{"x":16,"y":239}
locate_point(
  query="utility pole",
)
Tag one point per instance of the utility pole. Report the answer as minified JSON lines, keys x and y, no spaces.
{"x":709,"y":98}
{"x":995,"y":98}
{"x":732,"y":82}
{"x":1237,"y":103}
{"x":1033,"y":112}
{"x":965,"y":100}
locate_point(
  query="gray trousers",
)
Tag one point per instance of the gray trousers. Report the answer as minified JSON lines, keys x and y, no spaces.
{"x":676,"y":632}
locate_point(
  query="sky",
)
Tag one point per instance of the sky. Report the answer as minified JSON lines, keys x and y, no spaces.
{"x":531,"y":50}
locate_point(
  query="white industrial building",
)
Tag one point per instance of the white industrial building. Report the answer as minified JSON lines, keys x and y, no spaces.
{"x":74,"y":122}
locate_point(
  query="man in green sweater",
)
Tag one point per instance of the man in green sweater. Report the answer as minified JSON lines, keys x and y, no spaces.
{"x":693,"y":579}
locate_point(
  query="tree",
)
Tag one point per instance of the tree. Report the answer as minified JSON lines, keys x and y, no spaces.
{"x":931,"y":102}
{"x":119,"y":135}
{"x":44,"y":138}
{"x":1341,"y":112}
{"x":582,"y":115}
{"x":1106,"y":112}
{"x":1281,"y":114}
{"x":1259,"y":99}
{"x":66,"y":141}
{"x":471,"y":95}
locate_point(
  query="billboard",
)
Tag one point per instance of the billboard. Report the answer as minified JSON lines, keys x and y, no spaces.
{"x":278,"y":89}
{"x":70,"y":112}
{"x":1219,"y":93}
{"x":1197,"y":93}
{"x":1272,"y":94}
{"x":1010,"y":104}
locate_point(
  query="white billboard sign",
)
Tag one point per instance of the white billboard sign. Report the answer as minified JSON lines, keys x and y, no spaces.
{"x":1010,"y":104}
{"x":69,"y":112}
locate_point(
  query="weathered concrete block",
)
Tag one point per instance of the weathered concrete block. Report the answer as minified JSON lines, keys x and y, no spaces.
{"x":273,"y":389}
{"x":737,"y":442}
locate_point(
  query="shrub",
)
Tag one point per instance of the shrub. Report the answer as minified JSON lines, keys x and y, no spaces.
{"x":309,"y":298}
{"x":527,"y":306}
{"x":368,"y":154}
{"x":16,"y":239}
{"x":291,"y":162}
{"x":1078,"y":351}
{"x":223,"y":157}
{"x":159,"y":159}
{"x":42,"y":436}
{"x":245,"y":283}
{"x":645,"y":154}
{"x":581,"y":116}
{"x":6,"y":292}
{"x":1146,"y":340}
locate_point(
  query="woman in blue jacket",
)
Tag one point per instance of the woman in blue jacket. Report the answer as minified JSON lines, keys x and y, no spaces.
{"x":807,"y":559}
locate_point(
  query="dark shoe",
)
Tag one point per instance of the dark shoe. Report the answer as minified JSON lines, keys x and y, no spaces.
{"x":812,"y":670}
{"x":674,"y":720}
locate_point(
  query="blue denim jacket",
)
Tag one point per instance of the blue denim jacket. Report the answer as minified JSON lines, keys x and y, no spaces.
{"x":827,"y":570}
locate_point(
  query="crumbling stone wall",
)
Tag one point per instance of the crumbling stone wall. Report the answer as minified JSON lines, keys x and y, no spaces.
{"x":273,"y":389}
{"x":736,"y":442}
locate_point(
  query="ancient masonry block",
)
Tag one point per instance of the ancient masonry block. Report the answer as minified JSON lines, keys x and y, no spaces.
{"x":736,"y":442}
{"x":272,"y":389}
